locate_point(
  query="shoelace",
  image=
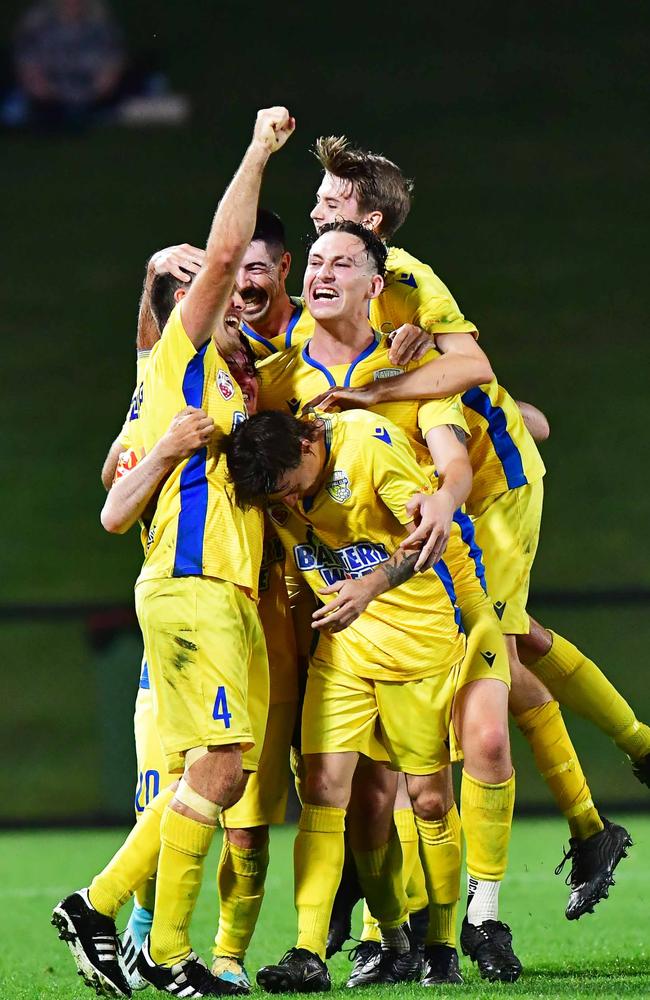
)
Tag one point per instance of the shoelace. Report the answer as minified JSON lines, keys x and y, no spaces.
{"x":569,"y":855}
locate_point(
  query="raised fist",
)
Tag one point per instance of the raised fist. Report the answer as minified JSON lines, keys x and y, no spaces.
{"x":273,"y":127}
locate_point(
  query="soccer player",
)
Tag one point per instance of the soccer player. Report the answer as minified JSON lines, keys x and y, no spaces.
{"x":338,"y":290}
{"x":372,"y":190}
{"x":203,"y":641}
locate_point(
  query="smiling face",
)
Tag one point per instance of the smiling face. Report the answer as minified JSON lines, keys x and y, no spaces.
{"x":260,"y":279}
{"x":335,"y":200}
{"x":340,"y":278}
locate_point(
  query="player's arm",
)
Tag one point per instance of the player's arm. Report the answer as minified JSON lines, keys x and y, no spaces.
{"x":232,"y":228}
{"x":354,"y":596}
{"x":181,"y":261}
{"x":536,"y":422}
{"x":464,"y":366}
{"x":130,"y":494}
{"x":110,"y":463}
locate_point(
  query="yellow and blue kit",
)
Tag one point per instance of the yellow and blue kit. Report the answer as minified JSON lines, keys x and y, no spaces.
{"x":401,"y":657}
{"x":203,"y":638}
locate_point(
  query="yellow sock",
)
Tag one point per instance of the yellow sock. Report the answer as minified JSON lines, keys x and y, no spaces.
{"x":370,"y":931}
{"x":318,"y":855}
{"x":560,"y":768}
{"x":380,"y":876}
{"x":440,"y":850}
{"x":240,"y":879}
{"x":577,"y":682}
{"x":135,"y":861}
{"x":412,"y":873}
{"x":184,"y":845}
{"x":486,"y":812}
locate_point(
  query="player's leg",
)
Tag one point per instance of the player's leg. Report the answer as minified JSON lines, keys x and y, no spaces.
{"x":199,"y":668}
{"x":579,"y":684}
{"x":596,"y":845}
{"x":245,"y":854}
{"x":487,"y":802}
{"x":421,"y":752}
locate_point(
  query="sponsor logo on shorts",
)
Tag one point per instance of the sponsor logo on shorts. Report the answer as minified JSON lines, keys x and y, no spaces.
{"x":348,"y":562}
{"x":224,"y":385}
{"x":339,"y":486}
{"x":499,"y":608}
{"x":489,"y":658}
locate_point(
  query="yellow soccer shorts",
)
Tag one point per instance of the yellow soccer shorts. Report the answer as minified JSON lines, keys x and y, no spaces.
{"x":507,"y":529}
{"x":264,"y":801}
{"x":207,"y":664}
{"x":153,"y":775}
{"x":404,"y":723}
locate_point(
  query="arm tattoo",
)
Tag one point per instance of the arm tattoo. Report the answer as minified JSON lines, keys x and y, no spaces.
{"x":459,"y":432}
{"x":399,"y":570}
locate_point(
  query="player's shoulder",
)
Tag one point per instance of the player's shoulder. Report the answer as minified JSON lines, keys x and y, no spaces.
{"x":365,"y":428}
{"x":402,"y":268}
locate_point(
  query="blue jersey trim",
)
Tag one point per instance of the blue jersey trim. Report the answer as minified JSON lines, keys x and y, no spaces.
{"x":505,"y":448}
{"x":367,"y":351}
{"x":144,"y":677}
{"x":193,"y":484}
{"x":297,"y":313}
{"x":468,"y":535}
{"x":252,"y":335}
{"x":441,"y":571}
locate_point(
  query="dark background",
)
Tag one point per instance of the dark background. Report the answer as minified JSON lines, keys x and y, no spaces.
{"x":526,"y":129}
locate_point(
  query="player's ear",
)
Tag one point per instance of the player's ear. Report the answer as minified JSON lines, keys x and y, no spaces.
{"x":305,"y":446}
{"x":376,"y":286}
{"x":285,"y":264}
{"x":179,"y":294}
{"x":373,"y":220}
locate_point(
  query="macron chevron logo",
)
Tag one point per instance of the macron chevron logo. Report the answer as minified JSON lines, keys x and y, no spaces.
{"x":407,"y":279}
{"x":489,"y":658}
{"x":382,"y":435}
{"x":499,"y":608}
{"x":294,"y":405}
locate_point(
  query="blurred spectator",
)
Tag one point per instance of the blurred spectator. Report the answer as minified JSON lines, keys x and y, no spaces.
{"x":71,"y":69}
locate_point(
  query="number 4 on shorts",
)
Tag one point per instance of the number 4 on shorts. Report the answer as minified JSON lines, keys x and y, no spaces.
{"x":220,"y":710}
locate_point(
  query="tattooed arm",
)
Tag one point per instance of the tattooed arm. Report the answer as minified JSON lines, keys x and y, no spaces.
{"x":353,"y":596}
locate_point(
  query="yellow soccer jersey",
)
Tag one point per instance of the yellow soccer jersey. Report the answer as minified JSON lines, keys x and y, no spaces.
{"x":414,"y":294}
{"x":501,"y":450}
{"x":299,"y":328}
{"x":290,"y":380}
{"x":197,"y":530}
{"x":127,"y":435}
{"x":352,"y":525}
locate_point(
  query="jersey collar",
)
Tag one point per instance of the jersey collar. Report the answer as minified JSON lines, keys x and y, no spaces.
{"x":372,"y":346}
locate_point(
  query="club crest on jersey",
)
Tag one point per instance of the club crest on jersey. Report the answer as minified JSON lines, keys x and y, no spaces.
{"x":339,"y":486}
{"x":386,"y":373}
{"x":224,"y":385}
{"x":278,"y":513}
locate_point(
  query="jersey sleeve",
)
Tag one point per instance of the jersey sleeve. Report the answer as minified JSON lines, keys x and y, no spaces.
{"x":396,"y":473}
{"x":415,"y":294}
{"x":442,"y":413}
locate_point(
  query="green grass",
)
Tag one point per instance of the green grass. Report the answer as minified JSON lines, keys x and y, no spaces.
{"x":603,"y":955}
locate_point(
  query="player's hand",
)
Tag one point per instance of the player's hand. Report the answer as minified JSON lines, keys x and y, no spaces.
{"x":189,"y":430}
{"x":362,"y":398}
{"x":408,"y":343}
{"x":181,"y":261}
{"x":353,"y":597}
{"x":273,"y":127}
{"x":433,"y":515}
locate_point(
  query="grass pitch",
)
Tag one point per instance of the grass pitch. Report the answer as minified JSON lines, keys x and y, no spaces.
{"x":603,"y":955}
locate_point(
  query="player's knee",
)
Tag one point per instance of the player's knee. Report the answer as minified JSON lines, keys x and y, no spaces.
{"x":430,"y":801}
{"x":321,"y":788}
{"x":252,"y":839}
{"x":493,"y":744}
